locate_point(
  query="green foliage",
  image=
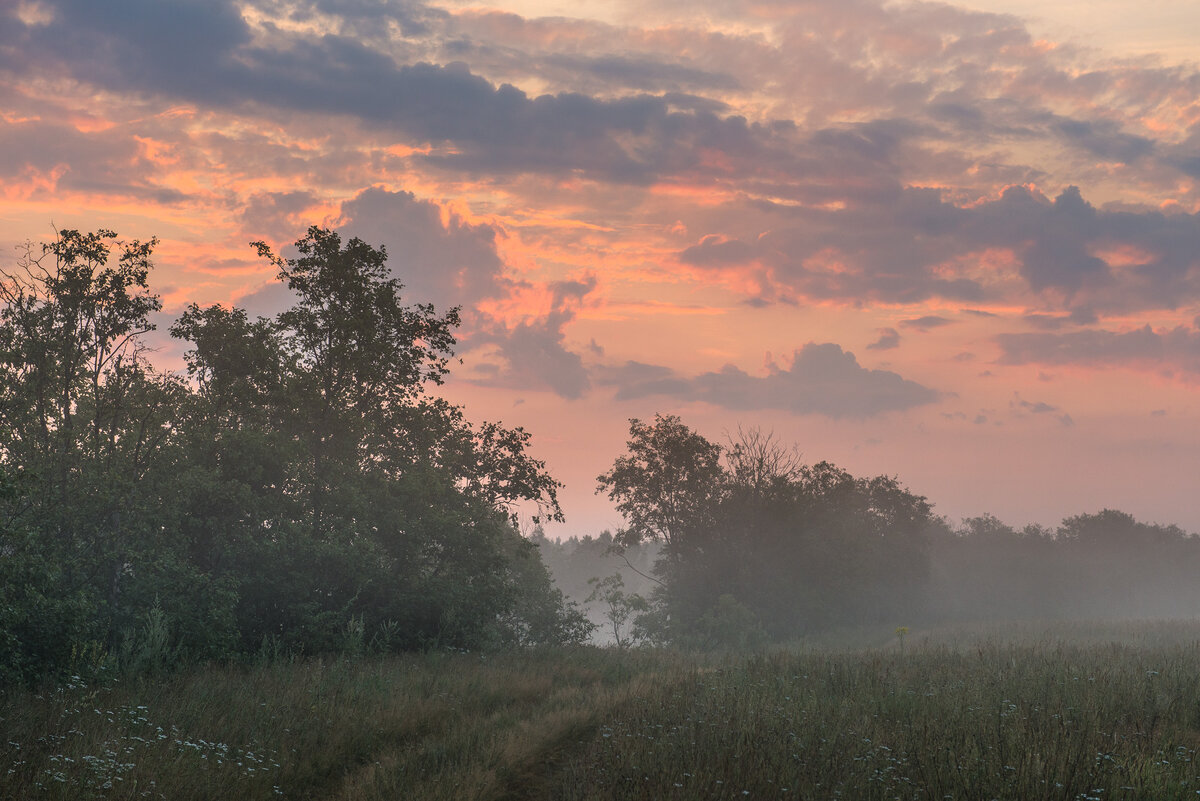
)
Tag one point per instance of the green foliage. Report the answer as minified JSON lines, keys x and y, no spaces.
{"x":44,"y":621}
{"x":299,"y":489}
{"x":86,"y":432}
{"x":666,"y":485}
{"x":148,"y":650}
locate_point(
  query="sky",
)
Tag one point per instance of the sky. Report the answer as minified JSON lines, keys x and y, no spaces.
{"x":954,"y":243}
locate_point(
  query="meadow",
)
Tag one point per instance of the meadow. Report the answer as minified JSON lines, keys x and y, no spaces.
{"x":1055,"y":711}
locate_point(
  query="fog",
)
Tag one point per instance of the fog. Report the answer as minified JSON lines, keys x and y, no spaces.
{"x":743,"y":543}
{"x":1104,"y":565}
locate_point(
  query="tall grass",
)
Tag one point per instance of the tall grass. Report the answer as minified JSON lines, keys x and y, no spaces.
{"x":436,"y":726}
{"x":1072,"y":715}
{"x":1019,"y":711}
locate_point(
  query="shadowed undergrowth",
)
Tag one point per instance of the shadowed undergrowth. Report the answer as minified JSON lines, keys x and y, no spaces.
{"x":1070,"y":712}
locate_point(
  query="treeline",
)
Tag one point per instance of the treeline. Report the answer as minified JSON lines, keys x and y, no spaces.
{"x":1102,"y":565}
{"x":757,"y":545}
{"x":297,"y":491}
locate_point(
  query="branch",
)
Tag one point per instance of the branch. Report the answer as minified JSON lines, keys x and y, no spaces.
{"x":625,"y":558}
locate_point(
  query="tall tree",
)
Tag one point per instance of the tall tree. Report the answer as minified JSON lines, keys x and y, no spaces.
{"x":665,"y":485}
{"x":86,"y":426}
{"x":400,"y":500}
{"x":751,"y":529}
{"x":362,"y":355}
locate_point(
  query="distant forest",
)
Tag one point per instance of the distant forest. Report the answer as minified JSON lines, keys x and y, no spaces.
{"x":740,"y":544}
{"x":300,"y":491}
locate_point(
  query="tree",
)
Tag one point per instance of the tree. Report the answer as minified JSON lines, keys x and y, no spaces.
{"x":87,"y":427}
{"x":666,"y":484}
{"x":350,"y":465}
{"x":298,"y":484}
{"x":68,"y":320}
{"x":757,"y":460}
{"x":360,"y":354}
{"x":619,"y":606}
{"x":750,"y":528}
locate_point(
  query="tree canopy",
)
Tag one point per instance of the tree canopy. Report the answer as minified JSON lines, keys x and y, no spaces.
{"x":750,"y":532}
{"x":299,"y":488}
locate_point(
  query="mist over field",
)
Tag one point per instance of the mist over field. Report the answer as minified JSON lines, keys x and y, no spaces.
{"x":787,"y":549}
{"x":1097,"y":567}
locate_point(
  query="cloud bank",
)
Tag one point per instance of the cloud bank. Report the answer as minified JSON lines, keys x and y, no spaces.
{"x":822,"y":379}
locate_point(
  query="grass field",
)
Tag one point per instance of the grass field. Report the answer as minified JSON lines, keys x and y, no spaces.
{"x":1104,"y":711}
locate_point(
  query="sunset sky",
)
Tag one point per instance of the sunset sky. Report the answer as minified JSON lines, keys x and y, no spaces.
{"x":959,"y":244}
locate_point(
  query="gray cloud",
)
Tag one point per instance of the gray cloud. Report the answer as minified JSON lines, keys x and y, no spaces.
{"x":822,"y":379}
{"x":635,"y":379}
{"x":448,"y":264}
{"x":821,"y":209}
{"x":456,"y":264}
{"x":183,"y":46}
{"x":370,"y":18}
{"x":893,"y":249}
{"x":715,"y":251}
{"x":927,"y":322}
{"x":642,"y":74}
{"x":1021,"y":407}
{"x":1048,"y":322}
{"x":1104,"y":139}
{"x":1143,"y":348}
{"x":278,"y":216}
{"x":107,"y":162}
{"x":535,"y":356}
{"x":888,"y":338}
{"x":205,"y":52}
